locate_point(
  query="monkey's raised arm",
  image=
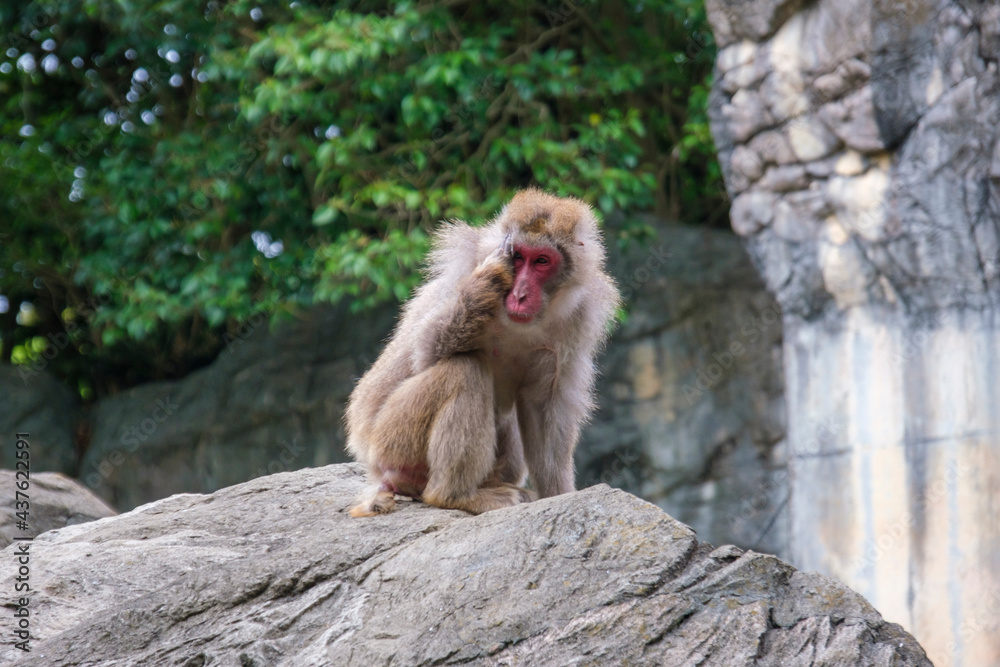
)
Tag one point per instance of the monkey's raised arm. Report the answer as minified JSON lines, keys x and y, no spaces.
{"x":463,"y":327}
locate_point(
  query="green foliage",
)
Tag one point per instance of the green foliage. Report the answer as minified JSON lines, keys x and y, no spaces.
{"x":172,"y":169}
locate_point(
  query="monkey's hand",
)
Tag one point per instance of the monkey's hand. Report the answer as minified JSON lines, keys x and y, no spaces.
{"x":494,"y":277}
{"x":503,"y":254}
{"x":506,"y":248}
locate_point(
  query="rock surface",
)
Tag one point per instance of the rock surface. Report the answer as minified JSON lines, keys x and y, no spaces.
{"x":859,"y":141}
{"x":691,"y":395}
{"x":890,"y":108}
{"x":273,"y":401}
{"x":273,"y":572}
{"x":33,"y":402}
{"x":55,"y":501}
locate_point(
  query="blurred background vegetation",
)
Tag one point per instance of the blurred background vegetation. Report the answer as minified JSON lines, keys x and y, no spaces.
{"x":173,"y":169}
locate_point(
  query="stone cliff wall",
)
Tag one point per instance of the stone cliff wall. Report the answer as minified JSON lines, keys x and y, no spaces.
{"x":859,"y":143}
{"x":39,"y":405}
{"x":691,"y":396}
{"x":273,"y":401}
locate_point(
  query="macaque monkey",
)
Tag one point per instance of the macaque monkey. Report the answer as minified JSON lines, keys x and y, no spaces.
{"x":490,"y":371}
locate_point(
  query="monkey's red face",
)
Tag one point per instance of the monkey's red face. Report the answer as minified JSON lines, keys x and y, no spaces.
{"x":533,"y":267}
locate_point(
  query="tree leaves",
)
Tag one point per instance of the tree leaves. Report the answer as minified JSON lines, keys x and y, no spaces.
{"x":170,"y":133}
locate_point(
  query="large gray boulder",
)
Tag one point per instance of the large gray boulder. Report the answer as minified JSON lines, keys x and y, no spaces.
{"x":274,"y":572}
{"x":54,"y":501}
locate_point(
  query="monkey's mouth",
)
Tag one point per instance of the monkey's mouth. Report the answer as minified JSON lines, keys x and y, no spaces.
{"x":519,"y":317}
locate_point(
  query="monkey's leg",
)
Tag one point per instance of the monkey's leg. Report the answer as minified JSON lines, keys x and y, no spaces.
{"x":395,"y":441}
{"x":509,"y":467}
{"x":548,"y":446}
{"x":461,"y":450}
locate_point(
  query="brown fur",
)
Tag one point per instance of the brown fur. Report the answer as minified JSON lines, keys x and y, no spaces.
{"x":463,"y":402}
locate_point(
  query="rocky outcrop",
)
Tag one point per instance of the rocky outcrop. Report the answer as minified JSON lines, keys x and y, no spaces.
{"x":33,"y":402}
{"x":274,"y":572}
{"x":691,"y":394}
{"x":272,"y":401}
{"x":860,"y":144}
{"x":54,"y":501}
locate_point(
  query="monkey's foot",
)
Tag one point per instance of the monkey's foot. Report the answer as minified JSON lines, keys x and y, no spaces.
{"x":528,"y":495}
{"x":483,"y":499}
{"x":381,"y":502}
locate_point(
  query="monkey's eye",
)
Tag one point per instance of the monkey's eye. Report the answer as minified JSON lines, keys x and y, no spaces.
{"x":542,"y":260}
{"x":518,"y":257}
